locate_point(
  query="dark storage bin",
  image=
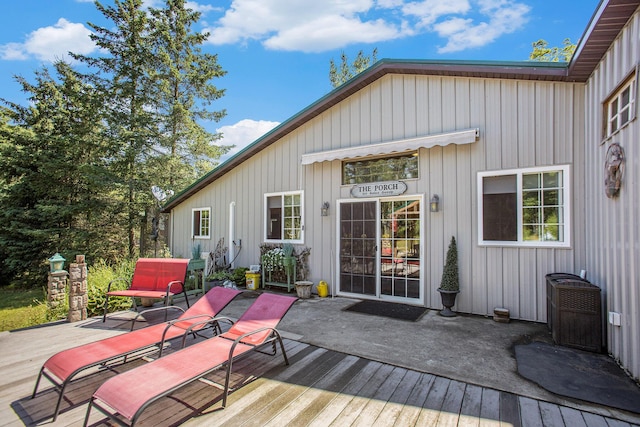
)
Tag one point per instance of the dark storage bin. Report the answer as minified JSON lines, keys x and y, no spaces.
{"x":574,"y":313}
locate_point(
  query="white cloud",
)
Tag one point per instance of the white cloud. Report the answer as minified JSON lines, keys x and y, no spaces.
{"x":505,"y":17}
{"x":51,"y":43}
{"x":427,"y":12}
{"x":314,"y":26}
{"x":330,"y":33}
{"x":243,"y":133}
{"x":308,"y":26}
{"x":202,"y":8}
{"x":13,"y":51}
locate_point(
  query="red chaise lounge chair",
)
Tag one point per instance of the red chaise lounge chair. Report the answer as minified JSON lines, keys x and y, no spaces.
{"x":124,"y":397}
{"x":62,"y":367}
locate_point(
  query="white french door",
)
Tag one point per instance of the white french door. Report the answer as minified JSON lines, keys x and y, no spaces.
{"x":379,"y":245}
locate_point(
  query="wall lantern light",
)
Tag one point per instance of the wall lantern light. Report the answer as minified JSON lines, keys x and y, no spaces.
{"x":324,"y":210}
{"x":56,"y":263}
{"x":434,"y":203}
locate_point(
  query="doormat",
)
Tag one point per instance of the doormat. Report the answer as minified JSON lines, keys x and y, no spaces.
{"x":388,"y":309}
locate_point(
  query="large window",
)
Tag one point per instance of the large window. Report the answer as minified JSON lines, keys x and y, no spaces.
{"x":201,"y":223}
{"x":524,"y":207}
{"x":380,"y":169}
{"x":620,"y":106}
{"x":283,"y":213}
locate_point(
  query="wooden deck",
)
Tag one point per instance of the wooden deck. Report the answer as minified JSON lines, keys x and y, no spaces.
{"x":319,"y":388}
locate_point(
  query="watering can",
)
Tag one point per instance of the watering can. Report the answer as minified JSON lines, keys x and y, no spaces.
{"x":323,"y":289}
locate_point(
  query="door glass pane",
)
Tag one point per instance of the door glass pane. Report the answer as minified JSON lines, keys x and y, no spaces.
{"x":358,"y":248}
{"x":400,"y":248}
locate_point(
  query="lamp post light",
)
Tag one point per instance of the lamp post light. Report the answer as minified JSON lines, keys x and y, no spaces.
{"x":56,"y":263}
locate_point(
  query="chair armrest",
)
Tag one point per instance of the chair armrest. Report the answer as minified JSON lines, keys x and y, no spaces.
{"x":212,"y":321}
{"x":149,"y":310}
{"x":119,"y":279}
{"x":173,"y":282}
{"x":190,"y":328}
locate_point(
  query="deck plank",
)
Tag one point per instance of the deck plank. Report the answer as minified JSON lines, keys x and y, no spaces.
{"x":471,"y":405}
{"x":490,"y":410}
{"x":360,"y":399}
{"x":393,"y":407}
{"x":530,"y":412}
{"x":302,"y":410}
{"x":572,"y":417}
{"x":431,"y":408}
{"x":450,"y":411}
{"x":413,"y":407}
{"x":509,"y":409}
{"x":281,"y":396}
{"x":379,"y":400}
{"x":331,"y":411}
{"x":551,"y":415}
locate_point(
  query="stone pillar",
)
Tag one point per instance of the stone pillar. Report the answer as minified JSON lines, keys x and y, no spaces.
{"x":77,"y":290}
{"x":56,"y":289}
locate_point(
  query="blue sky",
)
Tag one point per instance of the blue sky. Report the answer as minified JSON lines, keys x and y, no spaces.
{"x":277,"y":52}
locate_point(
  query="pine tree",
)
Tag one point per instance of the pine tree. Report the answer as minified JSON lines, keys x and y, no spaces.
{"x":123,"y":77}
{"x":541,"y":52}
{"x":348,"y":71}
{"x":185,"y":91}
{"x":55,"y":180}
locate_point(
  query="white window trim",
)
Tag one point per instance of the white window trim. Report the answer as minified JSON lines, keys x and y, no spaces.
{"x":202,"y":236}
{"x":265,"y":216}
{"x":630,"y":79}
{"x":566,"y":177}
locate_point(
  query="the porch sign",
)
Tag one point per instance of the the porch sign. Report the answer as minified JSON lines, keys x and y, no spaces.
{"x":378,"y":189}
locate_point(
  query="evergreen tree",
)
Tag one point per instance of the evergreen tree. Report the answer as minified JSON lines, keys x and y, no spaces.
{"x":185,"y":91}
{"x":123,"y":78}
{"x":53,"y":173}
{"x":542,"y":52}
{"x":347,"y":71}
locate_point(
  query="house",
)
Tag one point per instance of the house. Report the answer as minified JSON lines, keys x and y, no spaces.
{"x":533,"y":167}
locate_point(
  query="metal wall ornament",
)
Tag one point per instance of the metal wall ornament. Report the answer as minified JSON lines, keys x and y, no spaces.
{"x":613,"y":170}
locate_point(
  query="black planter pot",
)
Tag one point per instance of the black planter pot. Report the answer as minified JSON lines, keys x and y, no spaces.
{"x":448,"y":300}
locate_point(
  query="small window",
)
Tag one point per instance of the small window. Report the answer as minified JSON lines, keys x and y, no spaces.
{"x":201,"y":223}
{"x":620,"y":107}
{"x":283,"y":213}
{"x":380,"y":169}
{"x":526,"y":207}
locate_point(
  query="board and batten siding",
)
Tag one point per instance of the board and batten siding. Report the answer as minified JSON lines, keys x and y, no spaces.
{"x":613,"y":239}
{"x":521,"y":124}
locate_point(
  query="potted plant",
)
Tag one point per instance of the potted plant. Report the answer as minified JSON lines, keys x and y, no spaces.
{"x":450,"y":284}
{"x":239,"y":275}
{"x":218,"y":278}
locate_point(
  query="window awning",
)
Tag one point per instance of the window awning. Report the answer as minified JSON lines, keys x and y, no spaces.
{"x":459,"y":137}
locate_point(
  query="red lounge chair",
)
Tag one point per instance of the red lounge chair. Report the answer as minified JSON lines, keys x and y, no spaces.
{"x":124,"y":397}
{"x":153,"y":278}
{"x":62,"y":367}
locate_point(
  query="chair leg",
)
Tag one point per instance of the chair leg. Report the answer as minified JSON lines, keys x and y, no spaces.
{"x":86,"y":418}
{"x":106,"y":306}
{"x":35,"y":389}
{"x":186,"y":298}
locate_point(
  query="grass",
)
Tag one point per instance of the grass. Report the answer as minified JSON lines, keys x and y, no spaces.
{"x":21,"y":308}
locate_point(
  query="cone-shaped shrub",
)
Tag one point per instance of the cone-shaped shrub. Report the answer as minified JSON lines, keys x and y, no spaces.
{"x":450,"y":280}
